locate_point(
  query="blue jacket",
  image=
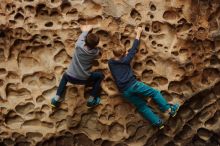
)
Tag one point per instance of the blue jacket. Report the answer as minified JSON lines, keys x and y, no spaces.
{"x":121,"y":69}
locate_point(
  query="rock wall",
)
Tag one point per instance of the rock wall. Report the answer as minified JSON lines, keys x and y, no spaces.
{"x":176,"y":56}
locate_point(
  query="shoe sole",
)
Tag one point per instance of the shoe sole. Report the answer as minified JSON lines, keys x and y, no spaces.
{"x":161,"y":127}
{"x":176,"y":112}
{"x":53,"y":106}
{"x":93,"y":105}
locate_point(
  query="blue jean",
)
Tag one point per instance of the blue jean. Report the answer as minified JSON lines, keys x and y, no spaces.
{"x":133,"y":95}
{"x":95,"y":78}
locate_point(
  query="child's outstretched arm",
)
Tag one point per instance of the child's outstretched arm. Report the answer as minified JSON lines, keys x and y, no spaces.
{"x":85,"y":30}
{"x":133,"y":50}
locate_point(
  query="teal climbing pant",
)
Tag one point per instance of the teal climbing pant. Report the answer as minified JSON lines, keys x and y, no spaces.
{"x":135,"y":94}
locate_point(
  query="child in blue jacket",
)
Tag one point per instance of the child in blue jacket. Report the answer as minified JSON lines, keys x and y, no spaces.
{"x":132,"y":89}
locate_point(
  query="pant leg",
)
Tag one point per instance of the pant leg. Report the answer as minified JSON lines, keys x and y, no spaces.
{"x":96,"y":78}
{"x":62,"y":86}
{"x":146,"y":90}
{"x":66,"y":78}
{"x":142,"y":107}
{"x":76,"y":81}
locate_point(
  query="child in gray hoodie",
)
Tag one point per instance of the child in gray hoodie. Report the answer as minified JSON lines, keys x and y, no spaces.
{"x":78,"y":71}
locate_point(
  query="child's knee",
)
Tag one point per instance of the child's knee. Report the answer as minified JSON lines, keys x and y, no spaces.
{"x":98,"y":76}
{"x":101,"y":75}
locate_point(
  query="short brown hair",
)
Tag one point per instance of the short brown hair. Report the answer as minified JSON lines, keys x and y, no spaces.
{"x":92,"y":40}
{"x":119,"y":51}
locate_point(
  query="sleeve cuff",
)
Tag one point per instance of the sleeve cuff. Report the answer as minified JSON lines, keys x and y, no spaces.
{"x":136,"y":41}
{"x":84,"y":33}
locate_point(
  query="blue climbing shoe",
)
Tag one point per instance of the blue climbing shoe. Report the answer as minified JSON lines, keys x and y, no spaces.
{"x":160,"y":125}
{"x":174,"y":108}
{"x":91,"y":102}
{"x":55,"y":103}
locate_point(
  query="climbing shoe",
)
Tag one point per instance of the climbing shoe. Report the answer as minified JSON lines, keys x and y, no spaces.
{"x":91,"y":101}
{"x":160,"y":125}
{"x":174,"y":108}
{"x":54,"y":103}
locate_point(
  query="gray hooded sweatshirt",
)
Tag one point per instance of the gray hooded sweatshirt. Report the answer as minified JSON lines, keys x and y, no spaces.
{"x":82,"y":59}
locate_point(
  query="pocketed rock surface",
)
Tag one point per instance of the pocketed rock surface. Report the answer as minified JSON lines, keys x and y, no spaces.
{"x":176,"y":56}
